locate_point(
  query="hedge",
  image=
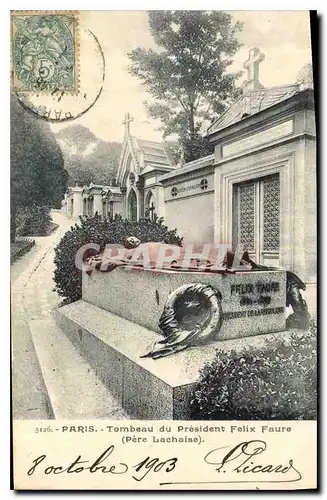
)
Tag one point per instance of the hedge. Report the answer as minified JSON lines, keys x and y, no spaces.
{"x":68,"y":279}
{"x":277,"y":382}
{"x":34,"y":221}
{"x":19,"y":248}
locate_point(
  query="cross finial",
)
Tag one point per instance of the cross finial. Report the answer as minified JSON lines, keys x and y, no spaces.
{"x":128,"y":119}
{"x":252,"y":67}
{"x":181,"y":160}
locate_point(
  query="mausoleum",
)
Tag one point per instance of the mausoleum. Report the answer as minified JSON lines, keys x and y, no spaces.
{"x":257,"y":189}
{"x":92,"y":199}
{"x":72,"y":205}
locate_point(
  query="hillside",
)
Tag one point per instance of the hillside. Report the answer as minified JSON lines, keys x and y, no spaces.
{"x":88,"y":158}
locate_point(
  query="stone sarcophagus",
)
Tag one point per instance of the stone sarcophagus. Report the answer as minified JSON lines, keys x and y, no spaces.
{"x":251,"y":302}
{"x":125,"y":314}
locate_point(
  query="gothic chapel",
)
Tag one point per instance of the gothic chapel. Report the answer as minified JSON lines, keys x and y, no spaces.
{"x":141,"y":164}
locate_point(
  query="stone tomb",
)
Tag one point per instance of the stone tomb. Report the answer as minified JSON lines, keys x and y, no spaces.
{"x":139,"y":295}
{"x":117,"y":319}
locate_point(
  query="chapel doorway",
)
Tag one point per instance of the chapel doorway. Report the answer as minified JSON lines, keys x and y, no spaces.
{"x":90,"y":206}
{"x":71,"y":208}
{"x":132,"y":206}
{"x":111,"y":209}
{"x":150,"y":206}
{"x":256,"y":218}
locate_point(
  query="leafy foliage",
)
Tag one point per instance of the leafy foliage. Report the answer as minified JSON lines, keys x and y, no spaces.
{"x":275,"y":383}
{"x":19,"y":248}
{"x":187,"y":75}
{"x":37,"y":176}
{"x":33,"y":221}
{"x":95,"y":229}
{"x":88,"y":158}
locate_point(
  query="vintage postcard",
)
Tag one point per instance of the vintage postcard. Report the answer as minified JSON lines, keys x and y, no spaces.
{"x":163,"y":250}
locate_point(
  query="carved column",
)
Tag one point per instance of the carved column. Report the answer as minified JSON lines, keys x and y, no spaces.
{"x":123,"y":191}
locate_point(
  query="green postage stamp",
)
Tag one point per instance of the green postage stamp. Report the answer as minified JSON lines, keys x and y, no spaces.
{"x":44,"y":51}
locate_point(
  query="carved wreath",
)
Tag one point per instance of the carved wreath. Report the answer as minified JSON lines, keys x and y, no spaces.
{"x":192,"y":316}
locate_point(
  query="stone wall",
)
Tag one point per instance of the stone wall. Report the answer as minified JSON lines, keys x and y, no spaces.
{"x":193,"y":217}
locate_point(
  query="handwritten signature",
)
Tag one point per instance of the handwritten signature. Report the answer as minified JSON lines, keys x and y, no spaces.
{"x":240,"y":459}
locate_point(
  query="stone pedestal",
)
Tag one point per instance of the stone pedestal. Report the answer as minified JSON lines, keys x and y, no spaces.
{"x":145,"y":388}
{"x":117,"y":322}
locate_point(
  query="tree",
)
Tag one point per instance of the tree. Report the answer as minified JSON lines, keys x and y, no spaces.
{"x":187,"y":74}
{"x":37,"y":176}
{"x":88,"y":158}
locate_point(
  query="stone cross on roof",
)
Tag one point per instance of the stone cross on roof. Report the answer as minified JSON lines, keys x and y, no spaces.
{"x":128,"y":119}
{"x":252,"y":67}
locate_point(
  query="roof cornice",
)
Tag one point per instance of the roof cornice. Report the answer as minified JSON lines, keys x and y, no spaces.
{"x":302,"y":99}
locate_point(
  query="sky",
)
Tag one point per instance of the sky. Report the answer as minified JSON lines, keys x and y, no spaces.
{"x":283,"y":36}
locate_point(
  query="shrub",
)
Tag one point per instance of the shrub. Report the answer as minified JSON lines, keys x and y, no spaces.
{"x":19,"y":248}
{"x":277,"y":382}
{"x":68,"y":278}
{"x":33,"y":221}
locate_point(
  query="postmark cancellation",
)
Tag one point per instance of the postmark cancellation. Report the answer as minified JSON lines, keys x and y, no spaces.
{"x":44,"y":51}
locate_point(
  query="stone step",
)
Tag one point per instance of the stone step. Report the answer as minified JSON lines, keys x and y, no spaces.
{"x":74,"y":389}
{"x":146,"y":388}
